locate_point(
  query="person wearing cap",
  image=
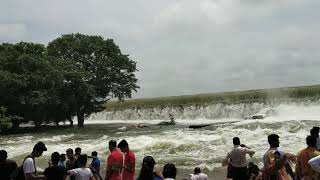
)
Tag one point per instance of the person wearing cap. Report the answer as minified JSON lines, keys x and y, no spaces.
{"x":29,"y":165}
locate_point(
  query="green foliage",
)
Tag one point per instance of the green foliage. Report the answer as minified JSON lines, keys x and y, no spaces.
{"x":74,"y":75}
{"x":5,"y":122}
{"x":98,"y":71}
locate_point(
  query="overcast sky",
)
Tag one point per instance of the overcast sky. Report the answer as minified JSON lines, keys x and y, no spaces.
{"x":187,"y":46}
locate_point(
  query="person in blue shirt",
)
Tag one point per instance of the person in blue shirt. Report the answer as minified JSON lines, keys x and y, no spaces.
{"x":62,"y":160}
{"x":95,"y":163}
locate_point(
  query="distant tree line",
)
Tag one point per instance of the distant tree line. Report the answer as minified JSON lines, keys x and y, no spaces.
{"x":74,"y":75}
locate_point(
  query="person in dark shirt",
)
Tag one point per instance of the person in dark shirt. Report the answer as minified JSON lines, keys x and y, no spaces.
{"x":7,"y":167}
{"x":55,"y":172}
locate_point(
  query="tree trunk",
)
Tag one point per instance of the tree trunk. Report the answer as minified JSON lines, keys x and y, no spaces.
{"x":70,"y":121}
{"x":80,"y":117}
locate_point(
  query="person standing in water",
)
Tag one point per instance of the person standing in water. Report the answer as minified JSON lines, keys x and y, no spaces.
{"x":129,"y":161}
{"x":172,"y":121}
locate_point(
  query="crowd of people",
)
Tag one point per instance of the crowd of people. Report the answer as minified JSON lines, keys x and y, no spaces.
{"x":276,"y":163}
{"x":121,"y":162}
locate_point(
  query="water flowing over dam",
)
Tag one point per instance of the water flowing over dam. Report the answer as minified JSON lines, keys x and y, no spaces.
{"x":179,"y":144}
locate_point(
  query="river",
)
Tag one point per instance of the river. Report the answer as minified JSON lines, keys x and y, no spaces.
{"x":185,"y":147}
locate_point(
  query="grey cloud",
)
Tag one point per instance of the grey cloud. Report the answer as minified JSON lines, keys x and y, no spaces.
{"x":187,"y":46}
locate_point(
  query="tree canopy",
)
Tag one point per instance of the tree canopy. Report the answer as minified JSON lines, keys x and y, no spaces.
{"x":75,"y":75}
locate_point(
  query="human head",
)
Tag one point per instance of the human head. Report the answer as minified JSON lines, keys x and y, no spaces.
{"x":146,"y":172}
{"x":236,"y":141}
{"x":273,"y":140}
{"x":62,"y":157}
{"x":311,"y":141}
{"x":69,"y":152}
{"x":197,"y":170}
{"x":38,"y":149}
{"x":316,"y":129}
{"x":78,"y":151}
{"x":3,"y":155}
{"x":169,"y":171}
{"x":314,"y":132}
{"x":94,"y":154}
{"x":148,"y":162}
{"x":112,"y":145}
{"x":123,"y":145}
{"x":55,"y":158}
{"x":82,"y":159}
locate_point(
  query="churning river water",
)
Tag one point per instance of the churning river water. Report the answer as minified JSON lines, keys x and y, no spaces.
{"x":185,"y":147}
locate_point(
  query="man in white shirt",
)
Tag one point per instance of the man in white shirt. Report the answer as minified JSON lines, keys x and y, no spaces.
{"x":198,"y":175}
{"x":29,"y":164}
{"x":82,"y":173}
{"x":237,"y":158}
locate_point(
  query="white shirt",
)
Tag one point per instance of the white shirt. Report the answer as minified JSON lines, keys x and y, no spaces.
{"x":315,"y":163}
{"x":81,"y":173}
{"x":28,"y":166}
{"x":238,"y":156}
{"x":200,"y":176}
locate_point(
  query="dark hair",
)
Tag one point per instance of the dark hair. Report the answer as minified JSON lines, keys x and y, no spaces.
{"x":40,"y":147}
{"x":197,"y":170}
{"x":82,"y":159}
{"x":169,"y":171}
{"x":62,"y":155}
{"x":94,"y":153}
{"x":146,"y":172}
{"x":311,"y":141}
{"x":123,"y":144}
{"x":69,"y":150}
{"x":55,"y":157}
{"x":236,"y":141}
{"x":113,"y":143}
{"x":314,"y":131}
{"x":77,"y":149}
{"x":272,"y":138}
{"x":3,"y":155}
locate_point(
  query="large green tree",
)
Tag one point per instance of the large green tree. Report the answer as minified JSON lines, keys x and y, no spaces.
{"x":29,"y":83}
{"x":98,"y":71}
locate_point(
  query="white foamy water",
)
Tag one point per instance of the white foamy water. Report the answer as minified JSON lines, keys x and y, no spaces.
{"x":178,"y":144}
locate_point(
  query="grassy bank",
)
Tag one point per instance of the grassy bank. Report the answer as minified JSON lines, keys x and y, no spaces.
{"x":261,"y":95}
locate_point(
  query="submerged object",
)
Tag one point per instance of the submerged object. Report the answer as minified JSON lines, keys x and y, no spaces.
{"x":197,"y":126}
